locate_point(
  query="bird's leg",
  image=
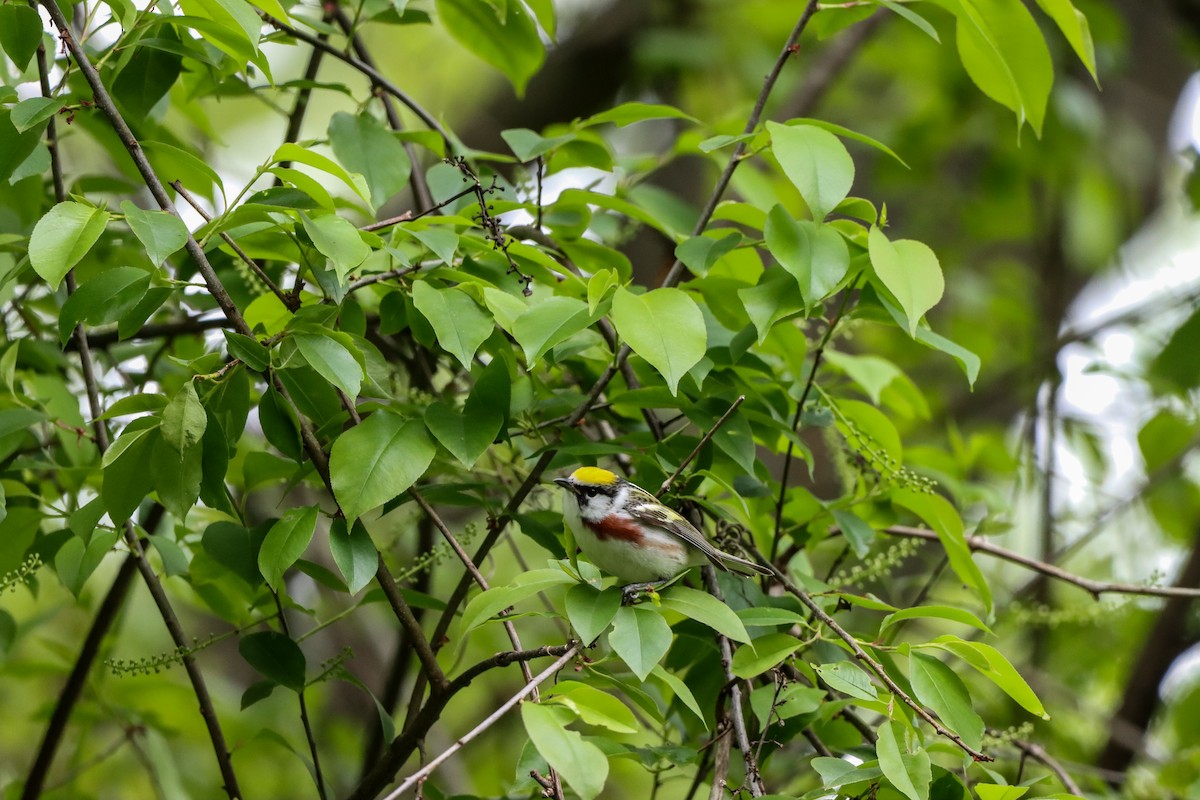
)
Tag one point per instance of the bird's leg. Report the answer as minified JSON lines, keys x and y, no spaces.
{"x":631,"y":593}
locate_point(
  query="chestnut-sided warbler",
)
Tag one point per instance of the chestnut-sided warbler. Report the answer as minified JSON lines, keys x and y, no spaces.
{"x":625,"y":531}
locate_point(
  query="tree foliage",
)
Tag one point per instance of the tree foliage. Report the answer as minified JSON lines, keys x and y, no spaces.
{"x":280,"y":407}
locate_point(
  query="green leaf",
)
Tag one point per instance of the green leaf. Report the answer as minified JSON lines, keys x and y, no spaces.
{"x":641,"y":637}
{"x":377,"y":460}
{"x":177,"y":475}
{"x":276,"y":657}
{"x":126,"y":480}
{"x":16,"y":149}
{"x":699,"y":253}
{"x":775,"y":297}
{"x":28,"y":113}
{"x":458,"y":322}
{"x":184,"y":420}
{"x":815,"y":255}
{"x":159,"y":232}
{"x":967,"y":360}
{"x":911,"y":774}
{"x":942,"y":517}
{"x":995,"y":791}
{"x":236,"y":30}
{"x":1003,"y":51}
{"x":705,"y":609}
{"x":302,"y":155}
{"x":580,"y":763}
{"x":992,"y":663}
{"x":681,"y":691}
{"x":1178,"y":362}
{"x":547,"y":323}
{"x":62,"y":237}
{"x":916,"y":19}
{"x":910,"y":271}
{"x":590,"y":610}
{"x":848,"y":678}
{"x":816,"y":162}
{"x":950,"y":613}
{"x":332,"y":360}
{"x":248,"y":350}
{"x":1163,"y":438}
{"x":852,"y":134}
{"x":286,"y":541}
{"x":354,"y":553}
{"x":510,"y":43}
{"x":858,"y":533}
{"x":1074,"y":27}
{"x":234,"y":548}
{"x":629,"y":113}
{"x":488,"y":604}
{"x":769,"y":617}
{"x":765,"y":652}
{"x":466,"y":433}
{"x":75,"y":561}
{"x":337,"y":240}
{"x":148,"y":75}
{"x":663,"y":326}
{"x":528,"y":145}
{"x":937,"y":686}
{"x":364,"y":145}
{"x":593,"y":706}
{"x":102,"y":299}
{"x":20,"y":33}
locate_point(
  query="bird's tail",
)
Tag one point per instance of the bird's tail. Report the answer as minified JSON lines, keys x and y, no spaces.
{"x":732,"y":563}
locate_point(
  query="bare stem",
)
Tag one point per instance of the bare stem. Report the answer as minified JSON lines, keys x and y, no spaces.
{"x":666,"y":485}
{"x":530,"y":687}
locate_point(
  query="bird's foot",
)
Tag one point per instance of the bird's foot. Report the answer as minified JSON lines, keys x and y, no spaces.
{"x":632,"y":593}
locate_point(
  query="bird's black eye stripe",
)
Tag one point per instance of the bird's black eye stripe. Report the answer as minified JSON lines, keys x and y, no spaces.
{"x":591,"y":491}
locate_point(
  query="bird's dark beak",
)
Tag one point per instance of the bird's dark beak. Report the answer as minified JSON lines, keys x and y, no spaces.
{"x":565,"y":483}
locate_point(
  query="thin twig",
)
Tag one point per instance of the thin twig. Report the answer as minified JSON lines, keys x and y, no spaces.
{"x":288,"y":301}
{"x":163,"y":604}
{"x":818,"y":354}
{"x":1038,"y":753}
{"x":737,"y":714}
{"x":366,"y":69}
{"x":529,"y":688}
{"x":863,"y":656}
{"x":420,"y":185}
{"x":473,"y":570}
{"x":1093,"y":587}
{"x":305,"y":722}
{"x":105,"y":103}
{"x":666,"y":485}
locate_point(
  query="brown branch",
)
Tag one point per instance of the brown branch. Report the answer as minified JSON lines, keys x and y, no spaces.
{"x":369,"y":71}
{"x":289,"y":302}
{"x":167,"y":330}
{"x":863,"y":656}
{"x":420,"y":186}
{"x":737,"y":715}
{"x":1039,"y":754}
{"x":420,"y":775}
{"x":166,"y":611}
{"x":1093,"y":587}
{"x":472,"y":570}
{"x":105,"y":103}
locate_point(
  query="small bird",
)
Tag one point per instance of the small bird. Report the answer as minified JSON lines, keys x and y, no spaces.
{"x":625,"y":531}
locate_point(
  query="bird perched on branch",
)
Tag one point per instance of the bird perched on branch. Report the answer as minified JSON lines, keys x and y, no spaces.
{"x":625,"y":531}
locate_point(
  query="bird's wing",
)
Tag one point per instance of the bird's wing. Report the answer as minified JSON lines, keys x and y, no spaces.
{"x":673,"y":522}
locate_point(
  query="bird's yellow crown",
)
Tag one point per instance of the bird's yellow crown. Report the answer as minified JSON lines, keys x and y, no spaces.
{"x":595,"y":476}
